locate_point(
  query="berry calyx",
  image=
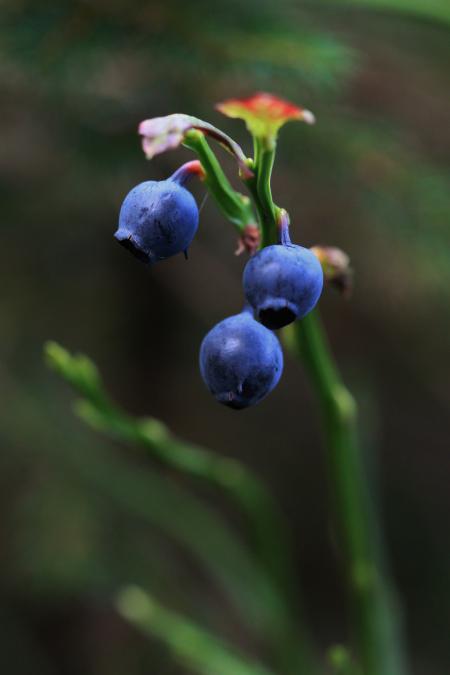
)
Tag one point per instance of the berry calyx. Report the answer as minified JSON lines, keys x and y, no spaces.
{"x":241,"y":361}
{"x":159,"y":219}
{"x":282,"y":282}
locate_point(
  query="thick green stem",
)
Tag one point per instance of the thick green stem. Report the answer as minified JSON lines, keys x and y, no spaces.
{"x":375,"y":620}
{"x":376,"y":624}
{"x":265,"y":166}
{"x":235,"y":206}
{"x":259,"y":187}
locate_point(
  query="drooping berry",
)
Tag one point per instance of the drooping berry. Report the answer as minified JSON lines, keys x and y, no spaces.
{"x":240,"y":361}
{"x":159,"y":219}
{"x":282,"y":282}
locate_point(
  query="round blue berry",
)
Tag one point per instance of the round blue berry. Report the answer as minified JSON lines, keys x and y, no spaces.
{"x":282,"y":283}
{"x":240,"y":361}
{"x":158,"y":219}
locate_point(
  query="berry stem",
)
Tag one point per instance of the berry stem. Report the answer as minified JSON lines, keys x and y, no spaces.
{"x":188,"y":170}
{"x":264,"y":175}
{"x":283,"y":223}
{"x":375,"y":614}
{"x":260,"y":189}
{"x":236,"y":207}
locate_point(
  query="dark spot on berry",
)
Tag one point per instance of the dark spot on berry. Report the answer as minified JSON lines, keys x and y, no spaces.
{"x":162,"y":218}
{"x":275,"y":318}
{"x":131,"y":246}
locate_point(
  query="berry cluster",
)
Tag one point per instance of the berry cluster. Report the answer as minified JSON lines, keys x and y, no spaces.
{"x":241,"y":360}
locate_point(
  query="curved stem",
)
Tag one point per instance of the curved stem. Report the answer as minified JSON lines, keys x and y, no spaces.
{"x":264,"y":175}
{"x":267,"y":525}
{"x":235,"y":206}
{"x":187,"y":171}
{"x":192,"y":645}
{"x":260,"y":189}
{"x":375,"y":620}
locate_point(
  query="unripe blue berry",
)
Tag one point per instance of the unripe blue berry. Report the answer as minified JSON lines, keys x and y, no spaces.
{"x":282,"y":282}
{"x":158,"y":219}
{"x":240,"y":361}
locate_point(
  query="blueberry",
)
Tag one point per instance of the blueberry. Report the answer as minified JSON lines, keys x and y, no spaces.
{"x":240,"y":361}
{"x":282,"y":282}
{"x":158,"y":219}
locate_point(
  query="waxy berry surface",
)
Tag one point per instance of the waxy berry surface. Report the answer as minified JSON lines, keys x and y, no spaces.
{"x":282,"y":283}
{"x":241,"y":361}
{"x":158,"y":219}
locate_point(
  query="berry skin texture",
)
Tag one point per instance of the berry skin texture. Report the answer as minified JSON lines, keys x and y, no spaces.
{"x":282,"y":283}
{"x":240,"y":361}
{"x":158,"y":219}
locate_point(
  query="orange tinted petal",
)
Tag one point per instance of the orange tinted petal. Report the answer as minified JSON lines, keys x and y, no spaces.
{"x":264,"y":113}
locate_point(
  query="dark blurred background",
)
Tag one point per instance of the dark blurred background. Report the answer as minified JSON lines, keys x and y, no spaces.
{"x":370,"y":177}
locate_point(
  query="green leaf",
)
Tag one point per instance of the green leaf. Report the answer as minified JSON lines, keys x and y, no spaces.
{"x":191,"y":645}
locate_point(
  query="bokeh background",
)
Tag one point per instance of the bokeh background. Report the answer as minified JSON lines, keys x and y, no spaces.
{"x":372,"y":177}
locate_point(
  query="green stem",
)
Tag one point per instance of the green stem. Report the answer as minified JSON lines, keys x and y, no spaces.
{"x":229,"y":475}
{"x":256,"y":150}
{"x":267,"y":525}
{"x":235,"y":206}
{"x":195,"y":648}
{"x":265,"y":166}
{"x":260,"y":189}
{"x":375,"y":617}
{"x":376,"y":624}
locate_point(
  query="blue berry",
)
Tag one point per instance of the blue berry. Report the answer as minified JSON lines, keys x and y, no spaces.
{"x":240,"y":361}
{"x":158,"y":219}
{"x":282,"y":282}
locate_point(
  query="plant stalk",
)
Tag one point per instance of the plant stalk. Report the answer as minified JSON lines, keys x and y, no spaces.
{"x":376,"y":626}
{"x":268,"y":529}
{"x":235,"y":206}
{"x":260,"y":189}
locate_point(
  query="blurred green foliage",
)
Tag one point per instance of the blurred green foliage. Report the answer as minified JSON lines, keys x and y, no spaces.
{"x":80,"y":518}
{"x":259,"y":582}
{"x":192,"y":645}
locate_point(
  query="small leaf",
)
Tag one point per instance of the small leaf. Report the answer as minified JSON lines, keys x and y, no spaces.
{"x":77,"y":369}
{"x":264,"y":114}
